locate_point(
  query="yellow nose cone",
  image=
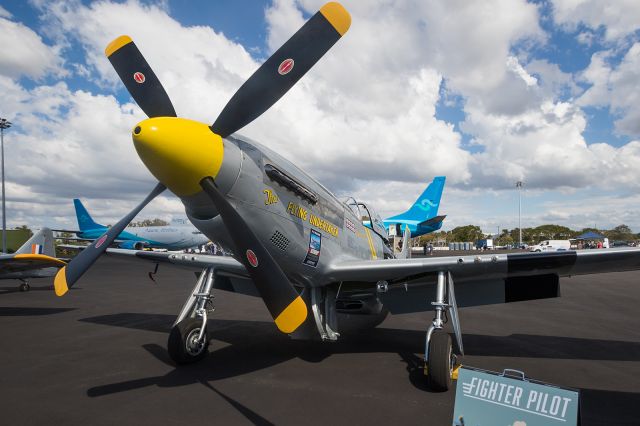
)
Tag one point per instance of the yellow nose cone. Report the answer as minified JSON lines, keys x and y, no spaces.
{"x":178,"y":152}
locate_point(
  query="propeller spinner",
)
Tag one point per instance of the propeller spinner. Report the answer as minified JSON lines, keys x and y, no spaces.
{"x":185,"y":155}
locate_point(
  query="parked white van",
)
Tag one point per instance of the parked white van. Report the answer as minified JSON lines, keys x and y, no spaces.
{"x":551,"y":245}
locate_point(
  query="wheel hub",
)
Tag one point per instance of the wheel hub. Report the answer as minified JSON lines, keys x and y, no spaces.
{"x":193,"y":346}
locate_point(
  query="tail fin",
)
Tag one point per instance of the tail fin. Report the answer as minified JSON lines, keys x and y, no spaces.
{"x":426,"y":206}
{"x":85,"y":222}
{"x":40,"y":243}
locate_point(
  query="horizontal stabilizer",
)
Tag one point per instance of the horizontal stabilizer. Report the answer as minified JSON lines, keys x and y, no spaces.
{"x":434,"y":221}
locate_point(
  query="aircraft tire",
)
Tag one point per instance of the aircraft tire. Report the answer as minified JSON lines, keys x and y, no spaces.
{"x":440,"y":364}
{"x":24,"y":287}
{"x":181,"y":346}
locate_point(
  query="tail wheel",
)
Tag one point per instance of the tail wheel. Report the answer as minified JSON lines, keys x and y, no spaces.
{"x":441,"y":361}
{"x":183,"y":345}
{"x":24,"y":287}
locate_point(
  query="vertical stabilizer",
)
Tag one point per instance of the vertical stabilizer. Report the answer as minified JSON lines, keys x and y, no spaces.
{"x":40,"y":243}
{"x":85,"y":221}
{"x":426,"y":206}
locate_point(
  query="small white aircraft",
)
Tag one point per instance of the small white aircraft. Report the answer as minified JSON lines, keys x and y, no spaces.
{"x":36,"y":258}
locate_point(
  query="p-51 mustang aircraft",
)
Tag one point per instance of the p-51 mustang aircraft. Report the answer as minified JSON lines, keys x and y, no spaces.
{"x":294,"y":243}
{"x":36,"y":258}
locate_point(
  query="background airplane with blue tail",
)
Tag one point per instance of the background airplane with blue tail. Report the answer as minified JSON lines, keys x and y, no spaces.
{"x":177,"y":236}
{"x":422,"y":218}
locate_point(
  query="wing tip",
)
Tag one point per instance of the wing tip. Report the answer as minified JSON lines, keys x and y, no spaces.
{"x":117,"y":44}
{"x":60,"y":282}
{"x":292,"y":316}
{"x":337,"y":16}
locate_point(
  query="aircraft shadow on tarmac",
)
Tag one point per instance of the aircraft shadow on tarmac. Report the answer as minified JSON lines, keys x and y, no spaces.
{"x":13,"y":311}
{"x":236,"y":332}
{"x":16,"y":289}
{"x":258,"y":338}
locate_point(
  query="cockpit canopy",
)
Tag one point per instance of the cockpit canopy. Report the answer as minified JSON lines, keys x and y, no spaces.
{"x":366,"y":215}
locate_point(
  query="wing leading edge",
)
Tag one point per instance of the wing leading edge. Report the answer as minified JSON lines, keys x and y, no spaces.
{"x":494,"y":266}
{"x":484,"y":279}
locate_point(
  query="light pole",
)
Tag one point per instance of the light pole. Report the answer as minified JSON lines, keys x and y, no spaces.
{"x":519,"y":186}
{"x":4,"y":124}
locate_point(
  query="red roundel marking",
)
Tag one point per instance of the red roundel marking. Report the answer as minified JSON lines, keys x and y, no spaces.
{"x":101,"y":241}
{"x":252,"y":258}
{"x":138,"y":77}
{"x":285,"y":66}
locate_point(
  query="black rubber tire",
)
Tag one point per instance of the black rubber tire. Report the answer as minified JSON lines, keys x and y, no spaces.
{"x":177,"y":343}
{"x":24,"y":287}
{"x":440,"y":358}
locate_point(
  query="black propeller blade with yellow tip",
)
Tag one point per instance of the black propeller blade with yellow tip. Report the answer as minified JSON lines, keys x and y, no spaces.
{"x":139,"y":78}
{"x":284,"y":68}
{"x":167,"y":157}
{"x":283,"y":302}
{"x":67,"y":276}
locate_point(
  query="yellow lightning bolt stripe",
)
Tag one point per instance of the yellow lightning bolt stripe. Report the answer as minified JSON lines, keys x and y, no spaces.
{"x":371,"y":246}
{"x":117,"y":44}
{"x":292,"y":316}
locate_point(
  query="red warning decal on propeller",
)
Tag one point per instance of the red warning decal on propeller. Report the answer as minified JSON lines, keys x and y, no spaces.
{"x":252,"y":258}
{"x":101,"y":241}
{"x":138,"y":77}
{"x":285,"y":66}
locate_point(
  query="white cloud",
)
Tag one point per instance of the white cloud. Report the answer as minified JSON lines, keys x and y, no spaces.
{"x":619,"y":18}
{"x":616,"y":87}
{"x":514,"y":65}
{"x":362,"y":121}
{"x":23,"y":51}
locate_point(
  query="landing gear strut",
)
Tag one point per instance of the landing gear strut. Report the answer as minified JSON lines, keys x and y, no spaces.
{"x":188,"y":340}
{"x":439,"y":357}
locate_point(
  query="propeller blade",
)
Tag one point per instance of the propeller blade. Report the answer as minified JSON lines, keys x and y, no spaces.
{"x":283,"y":69}
{"x":139,"y":78}
{"x":284,"y":303}
{"x":67,"y":276}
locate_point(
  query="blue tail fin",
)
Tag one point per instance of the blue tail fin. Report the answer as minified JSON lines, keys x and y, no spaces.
{"x":426,"y":206}
{"x":85,"y":222}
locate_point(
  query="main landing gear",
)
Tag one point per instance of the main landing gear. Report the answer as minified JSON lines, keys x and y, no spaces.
{"x":439,"y":357}
{"x":189,"y":340}
{"x":24,"y":286}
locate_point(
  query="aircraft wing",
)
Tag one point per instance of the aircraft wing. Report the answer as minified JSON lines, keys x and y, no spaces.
{"x":222,"y":264}
{"x":470,"y":268}
{"x":482,"y":279}
{"x":21,"y":262}
{"x":231,"y":275}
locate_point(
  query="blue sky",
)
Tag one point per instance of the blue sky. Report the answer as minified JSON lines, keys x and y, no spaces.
{"x":489,"y":94}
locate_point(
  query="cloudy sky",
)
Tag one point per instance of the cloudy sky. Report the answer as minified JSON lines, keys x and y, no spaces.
{"x":486,"y":93}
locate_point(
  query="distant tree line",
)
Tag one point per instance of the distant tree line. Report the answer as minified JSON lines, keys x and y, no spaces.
{"x":149,"y":222}
{"x":529,"y":235}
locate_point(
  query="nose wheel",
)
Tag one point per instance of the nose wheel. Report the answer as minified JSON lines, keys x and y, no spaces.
{"x":187,"y":342}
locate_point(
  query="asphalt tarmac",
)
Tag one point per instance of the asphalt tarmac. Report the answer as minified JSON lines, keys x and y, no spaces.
{"x":97,"y":356}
